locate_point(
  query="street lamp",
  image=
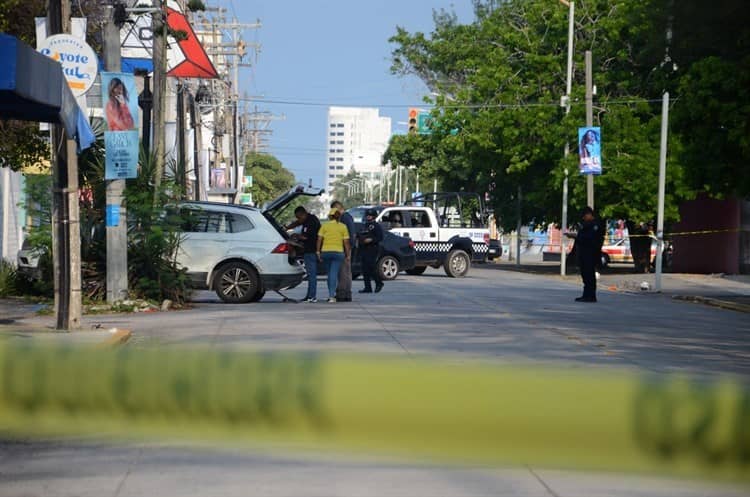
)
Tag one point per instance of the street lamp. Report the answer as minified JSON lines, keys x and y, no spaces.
{"x":566,"y":99}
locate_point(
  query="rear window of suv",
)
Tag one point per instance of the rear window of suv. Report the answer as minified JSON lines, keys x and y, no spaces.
{"x":198,"y":221}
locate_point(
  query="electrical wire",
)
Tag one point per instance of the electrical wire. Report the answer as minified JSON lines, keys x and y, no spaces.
{"x":302,"y":103}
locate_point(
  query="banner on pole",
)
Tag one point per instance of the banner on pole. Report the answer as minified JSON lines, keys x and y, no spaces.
{"x":121,"y":141}
{"x":590,"y":150}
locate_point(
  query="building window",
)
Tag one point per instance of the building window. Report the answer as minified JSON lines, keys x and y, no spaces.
{"x":332,"y":133}
{"x":339,"y":159}
{"x":340,"y":125}
{"x":340,"y":133}
{"x":340,"y":150}
{"x":339,"y":167}
{"x":331,"y":175}
{"x":333,"y":125}
{"x":339,"y":142}
{"x":332,"y":150}
{"x":332,"y":142}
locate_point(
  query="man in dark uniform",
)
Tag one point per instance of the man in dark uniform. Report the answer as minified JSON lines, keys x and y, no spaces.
{"x":369,"y":248}
{"x":588,"y":245}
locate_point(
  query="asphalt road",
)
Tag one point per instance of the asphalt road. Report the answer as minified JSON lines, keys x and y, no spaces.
{"x":494,"y":315}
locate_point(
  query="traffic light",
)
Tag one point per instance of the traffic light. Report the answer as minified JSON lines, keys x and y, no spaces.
{"x":413,"y":126}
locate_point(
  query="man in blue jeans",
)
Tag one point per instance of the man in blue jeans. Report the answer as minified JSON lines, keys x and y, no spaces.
{"x":309,"y":238}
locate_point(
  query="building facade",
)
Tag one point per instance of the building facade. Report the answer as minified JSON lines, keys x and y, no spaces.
{"x":356,"y":138}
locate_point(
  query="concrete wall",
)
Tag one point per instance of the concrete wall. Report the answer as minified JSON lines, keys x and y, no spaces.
{"x":711,"y":252}
{"x":745,"y":237}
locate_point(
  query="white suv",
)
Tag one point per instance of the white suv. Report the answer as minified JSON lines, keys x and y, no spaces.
{"x":238,"y":251}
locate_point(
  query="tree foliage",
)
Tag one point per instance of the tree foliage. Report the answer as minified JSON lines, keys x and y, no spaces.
{"x":498,"y":81}
{"x":270,"y":177}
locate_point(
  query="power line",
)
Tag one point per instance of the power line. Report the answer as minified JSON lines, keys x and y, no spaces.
{"x":303,"y":103}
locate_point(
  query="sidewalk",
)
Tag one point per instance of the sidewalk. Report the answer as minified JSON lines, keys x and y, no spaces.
{"x":19,"y":321}
{"x":727,"y":291}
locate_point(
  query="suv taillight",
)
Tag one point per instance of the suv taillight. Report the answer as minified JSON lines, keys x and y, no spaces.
{"x":282,"y":248}
{"x":487,"y":238}
{"x":411,"y":243}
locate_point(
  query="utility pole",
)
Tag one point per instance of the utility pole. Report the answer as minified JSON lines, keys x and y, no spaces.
{"x":518,"y":227}
{"x":199,"y":192}
{"x":662,"y":187}
{"x":568,"y":90}
{"x":117,"y":236}
{"x":589,"y":123}
{"x":181,"y":155}
{"x":66,"y":235}
{"x":159,"y":21}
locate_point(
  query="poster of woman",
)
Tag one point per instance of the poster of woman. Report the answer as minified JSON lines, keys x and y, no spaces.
{"x":590,"y":150}
{"x":120,"y":101}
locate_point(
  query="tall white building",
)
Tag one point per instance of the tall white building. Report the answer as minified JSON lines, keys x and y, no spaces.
{"x":356,"y":137}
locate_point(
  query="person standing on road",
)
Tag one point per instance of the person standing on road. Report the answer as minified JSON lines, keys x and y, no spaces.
{"x":334,"y":249}
{"x":344,"y":291}
{"x":369,"y":248}
{"x":309,"y":237}
{"x":588,"y":242}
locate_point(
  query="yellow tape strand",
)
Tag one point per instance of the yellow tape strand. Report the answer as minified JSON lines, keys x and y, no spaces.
{"x":415,"y":408}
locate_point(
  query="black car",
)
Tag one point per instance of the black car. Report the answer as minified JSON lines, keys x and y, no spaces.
{"x":396,"y":254}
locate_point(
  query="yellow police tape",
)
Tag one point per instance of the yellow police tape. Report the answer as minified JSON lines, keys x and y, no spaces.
{"x":414,"y":408}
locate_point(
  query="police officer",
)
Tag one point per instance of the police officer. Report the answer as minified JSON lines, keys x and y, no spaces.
{"x":588,"y":246}
{"x":369,"y":247}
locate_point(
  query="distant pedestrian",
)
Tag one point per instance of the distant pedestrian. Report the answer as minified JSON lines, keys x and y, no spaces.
{"x":588,"y":243}
{"x":344,"y":291}
{"x":334,"y":249}
{"x":309,"y":237}
{"x":369,"y":249}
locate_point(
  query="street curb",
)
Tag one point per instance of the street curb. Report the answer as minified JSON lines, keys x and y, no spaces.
{"x":119,"y":337}
{"x":723,"y":304}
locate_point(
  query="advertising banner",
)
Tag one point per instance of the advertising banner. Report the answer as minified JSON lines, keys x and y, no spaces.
{"x":120,"y":103}
{"x":590,"y":150}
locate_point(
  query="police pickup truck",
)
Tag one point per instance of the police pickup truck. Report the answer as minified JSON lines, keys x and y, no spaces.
{"x":448,"y":230}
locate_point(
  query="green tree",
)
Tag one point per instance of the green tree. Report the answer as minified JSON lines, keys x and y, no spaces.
{"x":23,"y":144}
{"x":270,"y":177}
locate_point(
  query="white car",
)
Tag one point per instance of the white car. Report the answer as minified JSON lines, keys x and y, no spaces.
{"x":239,"y":252}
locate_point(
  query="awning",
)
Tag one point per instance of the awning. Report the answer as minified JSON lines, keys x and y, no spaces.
{"x":33,"y":88}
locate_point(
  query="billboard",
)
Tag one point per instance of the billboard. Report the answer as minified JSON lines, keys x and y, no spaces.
{"x":121,"y":141}
{"x":590,"y":150}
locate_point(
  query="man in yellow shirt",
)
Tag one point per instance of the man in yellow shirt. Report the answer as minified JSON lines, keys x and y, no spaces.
{"x":333,"y":249}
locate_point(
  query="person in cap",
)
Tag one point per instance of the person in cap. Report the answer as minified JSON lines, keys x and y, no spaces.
{"x":369,"y":249}
{"x":588,"y":243}
{"x":344,"y":289}
{"x":333,"y":249}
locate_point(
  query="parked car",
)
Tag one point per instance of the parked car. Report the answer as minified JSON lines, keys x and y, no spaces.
{"x":239,"y":252}
{"x":619,"y":252}
{"x":28,"y":259}
{"x":396,"y":254}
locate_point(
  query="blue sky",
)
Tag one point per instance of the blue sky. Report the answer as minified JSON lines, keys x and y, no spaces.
{"x":329,"y":51}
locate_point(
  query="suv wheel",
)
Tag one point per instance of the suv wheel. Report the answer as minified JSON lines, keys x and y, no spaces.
{"x":457,"y":263}
{"x":237,"y":283}
{"x":388,"y":267}
{"x":416,"y":270}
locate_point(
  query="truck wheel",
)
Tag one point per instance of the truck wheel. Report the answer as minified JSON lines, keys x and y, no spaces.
{"x":416,"y":270}
{"x":237,"y":283}
{"x":388,"y":267}
{"x":457,"y":263}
